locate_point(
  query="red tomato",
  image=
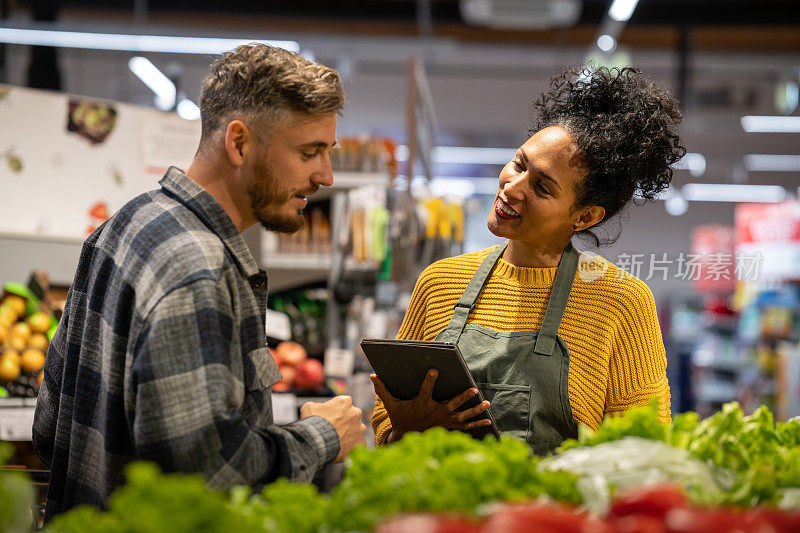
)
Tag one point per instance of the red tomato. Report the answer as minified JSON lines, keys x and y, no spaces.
{"x":780,"y":521}
{"x":427,"y":523}
{"x":712,"y":520}
{"x":310,"y":374}
{"x":291,"y":353}
{"x":288,"y":374}
{"x":638,"y":523}
{"x":655,"y":502}
{"x":542,"y":518}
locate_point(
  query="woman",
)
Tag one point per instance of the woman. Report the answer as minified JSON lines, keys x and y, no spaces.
{"x":553,"y":338}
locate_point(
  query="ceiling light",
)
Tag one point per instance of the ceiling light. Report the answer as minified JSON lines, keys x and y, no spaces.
{"x":606,"y":43}
{"x":472,"y":155}
{"x":621,"y":10}
{"x":677,"y":205}
{"x":131,"y":43}
{"x":770,"y":124}
{"x":161,"y":85}
{"x":772,"y":163}
{"x":726,"y":192}
{"x":401,"y":153}
{"x":188,"y":110}
{"x":693,"y":162}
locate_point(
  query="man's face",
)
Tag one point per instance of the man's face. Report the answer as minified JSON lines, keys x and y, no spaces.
{"x":289,"y":167}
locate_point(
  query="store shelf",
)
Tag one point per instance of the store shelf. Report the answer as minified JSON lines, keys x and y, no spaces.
{"x":322,"y":262}
{"x":344,"y":181}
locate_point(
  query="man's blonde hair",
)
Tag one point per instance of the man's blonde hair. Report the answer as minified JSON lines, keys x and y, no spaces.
{"x":259,"y":82}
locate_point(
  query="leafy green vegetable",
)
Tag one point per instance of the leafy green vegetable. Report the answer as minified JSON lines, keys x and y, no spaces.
{"x":765,"y":455}
{"x":16,"y":497}
{"x":636,"y":422}
{"x":152,"y":502}
{"x":282,"y":507}
{"x":440,"y":470}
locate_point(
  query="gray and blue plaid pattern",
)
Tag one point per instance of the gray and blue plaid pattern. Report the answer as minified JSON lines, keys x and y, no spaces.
{"x":161,"y":355}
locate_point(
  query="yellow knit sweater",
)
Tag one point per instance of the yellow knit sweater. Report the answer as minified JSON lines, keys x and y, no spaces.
{"x":610,"y":326}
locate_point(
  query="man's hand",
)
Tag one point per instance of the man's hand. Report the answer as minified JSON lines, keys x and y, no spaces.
{"x":423,"y":412}
{"x":343,"y":416}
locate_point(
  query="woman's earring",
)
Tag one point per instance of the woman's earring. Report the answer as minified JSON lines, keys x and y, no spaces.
{"x":574,"y":228}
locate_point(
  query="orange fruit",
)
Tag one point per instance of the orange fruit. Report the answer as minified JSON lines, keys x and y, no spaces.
{"x":38,"y":341}
{"x":16,"y":342}
{"x":39,"y":322}
{"x":17,"y":303}
{"x":14,"y":356}
{"x":9,"y":370}
{"x":3,"y":334}
{"x":20,"y":329}
{"x":7,"y":317}
{"x":32,"y":360}
{"x":40,"y":378}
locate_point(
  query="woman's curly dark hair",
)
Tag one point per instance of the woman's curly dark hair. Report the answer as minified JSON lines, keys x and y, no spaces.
{"x":626,"y":129}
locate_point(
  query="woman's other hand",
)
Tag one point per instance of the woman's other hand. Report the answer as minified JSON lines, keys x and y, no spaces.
{"x":423,"y":412}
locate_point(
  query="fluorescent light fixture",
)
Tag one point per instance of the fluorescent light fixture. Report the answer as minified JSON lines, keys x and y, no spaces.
{"x":131,"y":43}
{"x":472,"y":155}
{"x":677,"y":205}
{"x":464,"y":155}
{"x":621,"y":10}
{"x":606,"y":43}
{"x":188,"y":110}
{"x":401,"y":153}
{"x":727,"y":192}
{"x":770,"y":124}
{"x":772,"y":163}
{"x":693,"y":162}
{"x":161,"y":85}
{"x":460,"y":187}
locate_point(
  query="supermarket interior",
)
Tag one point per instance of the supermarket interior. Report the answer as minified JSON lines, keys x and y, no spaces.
{"x":98,"y":99}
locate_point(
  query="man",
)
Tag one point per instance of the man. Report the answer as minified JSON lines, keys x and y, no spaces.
{"x":161,"y":352}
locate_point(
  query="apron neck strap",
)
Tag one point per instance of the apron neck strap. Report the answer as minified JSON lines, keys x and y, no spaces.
{"x":559,"y":296}
{"x":470,"y":296}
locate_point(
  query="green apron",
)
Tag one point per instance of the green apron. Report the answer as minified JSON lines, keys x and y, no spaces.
{"x":524,"y":374}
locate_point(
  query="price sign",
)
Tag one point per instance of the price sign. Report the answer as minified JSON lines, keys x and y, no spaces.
{"x":338,"y":362}
{"x":16,"y":423}
{"x":284,"y":408}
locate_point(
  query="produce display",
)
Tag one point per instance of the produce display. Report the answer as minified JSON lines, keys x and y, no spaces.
{"x":297,"y":369}
{"x":442,"y":481}
{"x":25,"y":333}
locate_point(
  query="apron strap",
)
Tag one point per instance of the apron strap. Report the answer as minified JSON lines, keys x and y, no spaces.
{"x":470,"y":296}
{"x":559,"y":295}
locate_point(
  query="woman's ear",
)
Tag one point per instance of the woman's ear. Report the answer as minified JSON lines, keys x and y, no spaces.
{"x":589,"y":217}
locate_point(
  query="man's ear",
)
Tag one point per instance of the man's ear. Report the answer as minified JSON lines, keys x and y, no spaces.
{"x":589,"y":217}
{"x":237,"y":137}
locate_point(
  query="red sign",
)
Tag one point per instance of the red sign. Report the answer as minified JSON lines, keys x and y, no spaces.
{"x":714,"y":247}
{"x":771,"y":233}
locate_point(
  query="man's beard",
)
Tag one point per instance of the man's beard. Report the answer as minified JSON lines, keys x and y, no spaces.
{"x":267,"y":200}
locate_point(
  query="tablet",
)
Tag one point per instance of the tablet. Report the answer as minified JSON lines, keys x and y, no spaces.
{"x":403,"y":365}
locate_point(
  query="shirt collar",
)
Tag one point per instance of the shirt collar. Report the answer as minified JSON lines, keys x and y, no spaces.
{"x":201,"y":203}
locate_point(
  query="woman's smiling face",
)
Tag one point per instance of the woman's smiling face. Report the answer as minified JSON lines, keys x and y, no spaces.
{"x":535,"y":201}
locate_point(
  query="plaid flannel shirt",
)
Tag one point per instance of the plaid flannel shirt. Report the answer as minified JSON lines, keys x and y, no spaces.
{"x":161,"y":355}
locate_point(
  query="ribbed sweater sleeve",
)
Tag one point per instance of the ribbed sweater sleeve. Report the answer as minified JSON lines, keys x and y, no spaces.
{"x":638,"y":363}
